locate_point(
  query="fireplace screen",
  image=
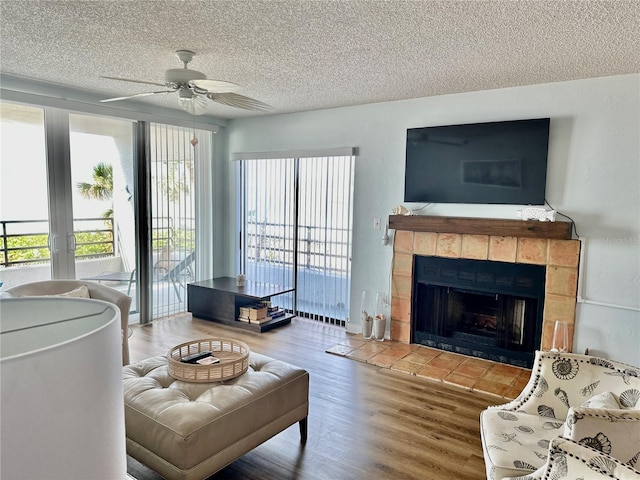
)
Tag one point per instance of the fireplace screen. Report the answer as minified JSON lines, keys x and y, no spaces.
{"x":460,"y":306}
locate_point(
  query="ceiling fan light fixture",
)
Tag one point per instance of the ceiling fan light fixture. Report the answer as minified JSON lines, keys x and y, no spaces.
{"x":193,"y":104}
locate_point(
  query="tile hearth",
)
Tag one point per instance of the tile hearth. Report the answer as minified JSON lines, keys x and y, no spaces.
{"x":474,"y":374}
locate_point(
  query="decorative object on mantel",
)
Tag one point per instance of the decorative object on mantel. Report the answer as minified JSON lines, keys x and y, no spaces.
{"x":537,"y":213}
{"x":367,"y":319}
{"x":401,"y":210}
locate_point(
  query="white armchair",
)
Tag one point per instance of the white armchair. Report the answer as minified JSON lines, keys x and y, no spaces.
{"x":96,"y":290}
{"x":569,"y":459}
{"x":589,"y":400}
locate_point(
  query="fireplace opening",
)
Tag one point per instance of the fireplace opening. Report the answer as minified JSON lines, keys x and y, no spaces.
{"x":490,"y":310}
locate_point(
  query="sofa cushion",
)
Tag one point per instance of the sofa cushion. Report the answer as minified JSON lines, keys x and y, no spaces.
{"x":516,"y":443}
{"x":569,"y":459}
{"x":610,"y":431}
{"x":81,"y":292}
{"x":602,"y":400}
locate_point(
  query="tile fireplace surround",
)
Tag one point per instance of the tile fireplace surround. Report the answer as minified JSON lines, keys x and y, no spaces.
{"x":512,"y":241}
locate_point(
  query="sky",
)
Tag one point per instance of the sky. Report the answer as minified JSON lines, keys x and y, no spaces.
{"x":23,"y":171}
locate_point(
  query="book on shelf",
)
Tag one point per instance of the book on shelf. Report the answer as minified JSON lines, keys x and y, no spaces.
{"x":258,"y":321}
{"x":279,"y":312}
{"x":254,"y":312}
{"x":270,"y":306}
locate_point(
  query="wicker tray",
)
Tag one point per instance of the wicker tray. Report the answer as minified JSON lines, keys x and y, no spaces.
{"x":233,"y":355}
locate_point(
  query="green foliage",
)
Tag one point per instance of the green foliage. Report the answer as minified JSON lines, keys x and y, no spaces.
{"x":94,"y":243}
{"x":184,"y":239}
{"x":33,"y":248}
{"x":102,"y":186}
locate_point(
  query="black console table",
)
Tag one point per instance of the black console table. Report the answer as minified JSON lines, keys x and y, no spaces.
{"x":220,"y":299}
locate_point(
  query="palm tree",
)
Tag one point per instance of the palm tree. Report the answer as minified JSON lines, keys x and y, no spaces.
{"x":102,"y":186}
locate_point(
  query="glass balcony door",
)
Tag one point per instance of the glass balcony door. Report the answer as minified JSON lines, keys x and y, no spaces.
{"x":24,"y":203}
{"x":67,"y":186}
{"x":101,"y":153}
{"x":69,"y":208}
{"x":175,"y":170}
{"x":297,"y":230}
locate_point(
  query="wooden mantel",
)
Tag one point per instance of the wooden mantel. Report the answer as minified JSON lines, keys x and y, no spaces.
{"x":482,"y":226}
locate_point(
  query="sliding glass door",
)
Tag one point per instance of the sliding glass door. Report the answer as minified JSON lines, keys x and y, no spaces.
{"x":24,"y":202}
{"x":67,"y":190}
{"x":324,"y":237}
{"x":102,"y":191}
{"x":69,"y":207}
{"x":176,"y":169}
{"x":296,"y":231}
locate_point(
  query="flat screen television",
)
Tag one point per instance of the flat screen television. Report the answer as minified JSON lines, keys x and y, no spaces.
{"x":486,"y":163}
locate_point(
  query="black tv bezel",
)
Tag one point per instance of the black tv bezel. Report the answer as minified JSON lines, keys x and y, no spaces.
{"x":538,"y":199}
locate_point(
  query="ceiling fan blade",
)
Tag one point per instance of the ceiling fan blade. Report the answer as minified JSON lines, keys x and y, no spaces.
{"x":135,"y":81}
{"x":239,"y":101}
{"x":145,"y":94}
{"x":214,"y":86}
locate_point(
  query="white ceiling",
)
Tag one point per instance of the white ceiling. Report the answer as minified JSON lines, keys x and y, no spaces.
{"x":298,"y":55}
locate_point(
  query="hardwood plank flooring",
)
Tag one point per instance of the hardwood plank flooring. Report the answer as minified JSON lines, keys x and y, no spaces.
{"x":365,"y":422}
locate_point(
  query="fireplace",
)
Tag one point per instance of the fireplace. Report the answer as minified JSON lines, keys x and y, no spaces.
{"x":547,"y":246}
{"x":490,"y":310}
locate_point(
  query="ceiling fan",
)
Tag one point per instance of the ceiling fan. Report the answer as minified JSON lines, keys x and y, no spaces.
{"x":194,"y":89}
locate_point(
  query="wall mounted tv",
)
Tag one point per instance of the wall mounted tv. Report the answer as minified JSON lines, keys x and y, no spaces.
{"x":487,"y":163}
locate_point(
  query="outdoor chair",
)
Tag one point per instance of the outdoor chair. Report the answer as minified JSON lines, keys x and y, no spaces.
{"x":174,"y":266}
{"x":169,"y":266}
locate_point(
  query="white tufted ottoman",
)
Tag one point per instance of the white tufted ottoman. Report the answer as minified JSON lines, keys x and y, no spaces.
{"x":188,"y":430}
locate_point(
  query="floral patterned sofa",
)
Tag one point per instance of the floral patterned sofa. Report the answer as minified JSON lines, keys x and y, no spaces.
{"x":574,"y":407}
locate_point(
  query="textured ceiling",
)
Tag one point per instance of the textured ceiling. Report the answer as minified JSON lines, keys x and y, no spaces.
{"x":298,"y":55}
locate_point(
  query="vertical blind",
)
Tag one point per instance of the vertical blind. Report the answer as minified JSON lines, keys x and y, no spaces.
{"x":297,"y":229}
{"x":173,"y":229}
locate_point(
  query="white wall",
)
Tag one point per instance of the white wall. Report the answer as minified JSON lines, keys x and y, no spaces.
{"x":593,"y":176}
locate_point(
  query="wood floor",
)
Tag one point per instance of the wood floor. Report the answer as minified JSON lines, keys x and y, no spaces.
{"x":365,"y":422}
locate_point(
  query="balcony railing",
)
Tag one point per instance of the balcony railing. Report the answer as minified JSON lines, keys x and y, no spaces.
{"x":27,"y":241}
{"x":323,"y":268}
{"x":323,"y":248}
{"x":323,"y":255}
